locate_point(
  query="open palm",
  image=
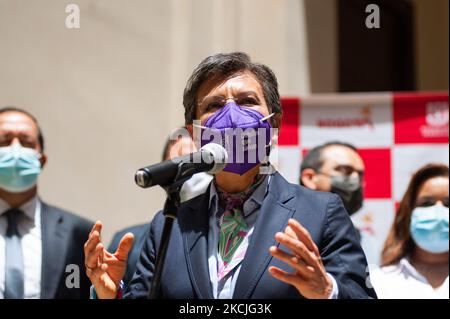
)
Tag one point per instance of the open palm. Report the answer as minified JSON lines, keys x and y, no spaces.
{"x":104,"y":269}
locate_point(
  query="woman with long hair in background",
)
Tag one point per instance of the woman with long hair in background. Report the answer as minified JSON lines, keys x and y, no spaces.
{"x":415,"y":254}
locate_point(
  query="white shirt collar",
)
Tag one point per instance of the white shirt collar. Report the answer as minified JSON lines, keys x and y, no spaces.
{"x":406,"y":267}
{"x":29,"y":208}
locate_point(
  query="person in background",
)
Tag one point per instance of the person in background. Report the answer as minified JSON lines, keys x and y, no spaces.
{"x":180,"y":143}
{"x":37,"y":241}
{"x":415,"y":254}
{"x":338,"y":168}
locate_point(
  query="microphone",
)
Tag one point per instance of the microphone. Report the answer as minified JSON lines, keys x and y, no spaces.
{"x":211,"y":158}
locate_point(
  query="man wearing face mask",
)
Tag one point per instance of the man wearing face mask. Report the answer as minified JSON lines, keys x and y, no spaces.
{"x":178,"y":144}
{"x":37,"y":241}
{"x":338,"y":168}
{"x":252,"y":234}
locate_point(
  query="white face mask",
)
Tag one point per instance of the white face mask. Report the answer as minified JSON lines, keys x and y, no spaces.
{"x":195,"y":186}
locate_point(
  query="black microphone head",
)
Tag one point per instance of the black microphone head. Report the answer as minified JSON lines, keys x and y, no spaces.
{"x":141,"y":178}
{"x":219,"y":154}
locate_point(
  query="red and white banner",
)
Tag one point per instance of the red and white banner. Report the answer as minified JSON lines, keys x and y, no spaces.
{"x":396,"y":133}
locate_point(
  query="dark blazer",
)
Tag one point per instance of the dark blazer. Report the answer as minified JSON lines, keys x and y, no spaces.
{"x":63,"y":238}
{"x":186,"y":273}
{"x":140,"y":233}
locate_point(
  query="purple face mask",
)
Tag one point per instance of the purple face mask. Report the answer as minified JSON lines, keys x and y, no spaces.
{"x":243,"y":132}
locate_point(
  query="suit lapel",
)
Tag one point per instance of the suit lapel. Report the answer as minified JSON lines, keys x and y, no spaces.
{"x":272,"y":218}
{"x":54,"y":249}
{"x":194,"y":224}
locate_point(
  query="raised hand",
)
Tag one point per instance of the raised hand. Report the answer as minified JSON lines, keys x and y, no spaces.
{"x":310,"y":277}
{"x":105,"y":269}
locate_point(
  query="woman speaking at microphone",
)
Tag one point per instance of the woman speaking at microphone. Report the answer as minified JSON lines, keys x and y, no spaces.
{"x":251,"y":234}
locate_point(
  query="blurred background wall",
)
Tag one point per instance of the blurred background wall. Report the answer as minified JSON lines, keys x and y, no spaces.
{"x":108,"y":94}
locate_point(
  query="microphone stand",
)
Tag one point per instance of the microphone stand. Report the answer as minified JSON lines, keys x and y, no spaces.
{"x":170,"y":212}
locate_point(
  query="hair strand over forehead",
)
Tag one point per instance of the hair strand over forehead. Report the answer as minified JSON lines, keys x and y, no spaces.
{"x":223,"y":65}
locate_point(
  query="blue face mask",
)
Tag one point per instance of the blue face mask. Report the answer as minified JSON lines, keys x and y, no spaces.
{"x":19,"y":168}
{"x":429,"y":228}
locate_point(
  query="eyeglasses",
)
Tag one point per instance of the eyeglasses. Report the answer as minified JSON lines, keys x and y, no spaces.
{"x":217,"y":102}
{"x":345,"y":170}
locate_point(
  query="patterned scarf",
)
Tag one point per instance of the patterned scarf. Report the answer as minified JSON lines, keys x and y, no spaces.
{"x":233,"y":240}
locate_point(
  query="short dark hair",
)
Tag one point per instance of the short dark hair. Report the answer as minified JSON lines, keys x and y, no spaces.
{"x":19,"y":110}
{"x":223,"y":65}
{"x":314,"y":160}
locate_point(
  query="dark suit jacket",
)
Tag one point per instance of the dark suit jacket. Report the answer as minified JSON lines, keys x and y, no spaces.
{"x":140,"y":233}
{"x":63,"y":238}
{"x":186,"y":273}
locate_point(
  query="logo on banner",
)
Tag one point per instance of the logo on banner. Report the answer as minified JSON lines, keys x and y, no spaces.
{"x":367,"y":224}
{"x":437,"y":118}
{"x":365,"y":119}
